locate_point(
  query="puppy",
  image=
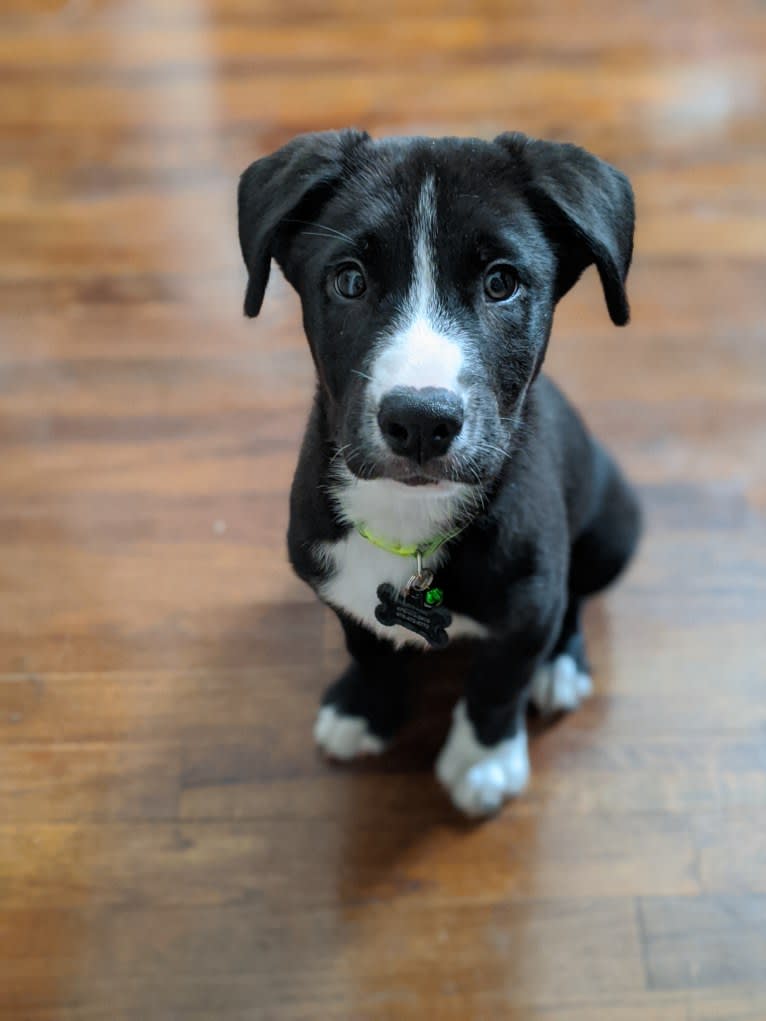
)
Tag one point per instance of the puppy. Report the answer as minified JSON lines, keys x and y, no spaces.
{"x":445,"y":488}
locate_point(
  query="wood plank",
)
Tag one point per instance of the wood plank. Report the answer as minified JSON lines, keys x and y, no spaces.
{"x":170,"y":843}
{"x":703,"y":941}
{"x":296,"y":859}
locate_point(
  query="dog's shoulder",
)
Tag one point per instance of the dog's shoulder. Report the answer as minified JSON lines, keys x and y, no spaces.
{"x":544,"y":491}
{"x":579,"y":463}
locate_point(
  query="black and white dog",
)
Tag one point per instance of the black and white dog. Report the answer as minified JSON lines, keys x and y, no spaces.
{"x":445,"y":488}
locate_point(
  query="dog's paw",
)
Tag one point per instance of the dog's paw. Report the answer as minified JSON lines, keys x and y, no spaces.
{"x":559,"y":686}
{"x":479,"y":779}
{"x":345,"y":737}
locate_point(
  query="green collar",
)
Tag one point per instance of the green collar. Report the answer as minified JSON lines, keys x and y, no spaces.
{"x":425,"y":549}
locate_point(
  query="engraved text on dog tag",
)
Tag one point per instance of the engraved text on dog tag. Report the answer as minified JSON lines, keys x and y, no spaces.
{"x":417,"y":610}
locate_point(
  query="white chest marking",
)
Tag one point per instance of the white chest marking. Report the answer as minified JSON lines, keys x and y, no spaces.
{"x":398,"y":514}
{"x":359,"y":568}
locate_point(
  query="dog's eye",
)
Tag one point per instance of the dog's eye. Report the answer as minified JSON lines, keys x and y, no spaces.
{"x":349,"y":281}
{"x":500,"y":282}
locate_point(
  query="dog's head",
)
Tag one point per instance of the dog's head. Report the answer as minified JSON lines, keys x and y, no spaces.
{"x":428,"y":270}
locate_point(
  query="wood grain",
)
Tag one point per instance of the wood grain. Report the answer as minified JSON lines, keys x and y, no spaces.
{"x":170,"y":844}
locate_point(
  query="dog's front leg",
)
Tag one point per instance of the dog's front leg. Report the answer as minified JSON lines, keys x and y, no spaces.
{"x":362,"y":710}
{"x":484,"y":760}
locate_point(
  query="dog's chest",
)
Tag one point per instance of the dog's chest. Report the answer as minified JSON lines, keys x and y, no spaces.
{"x":358,"y":567}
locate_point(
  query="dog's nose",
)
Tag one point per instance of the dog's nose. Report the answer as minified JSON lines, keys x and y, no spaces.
{"x":420,"y":423}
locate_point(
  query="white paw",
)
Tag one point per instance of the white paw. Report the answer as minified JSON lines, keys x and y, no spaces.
{"x":479,"y":778}
{"x":345,"y":737}
{"x":559,"y":686}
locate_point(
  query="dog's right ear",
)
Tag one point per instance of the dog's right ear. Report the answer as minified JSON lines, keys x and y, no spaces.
{"x":274,"y":188}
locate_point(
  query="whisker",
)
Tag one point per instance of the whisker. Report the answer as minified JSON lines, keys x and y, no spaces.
{"x":469,"y":464}
{"x":362,"y":374}
{"x":489,"y":446}
{"x":324,"y":227}
{"x":338,"y":452}
{"x":315,"y":234}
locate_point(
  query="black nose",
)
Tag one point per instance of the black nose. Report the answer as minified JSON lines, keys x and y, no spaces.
{"x":420,"y":424}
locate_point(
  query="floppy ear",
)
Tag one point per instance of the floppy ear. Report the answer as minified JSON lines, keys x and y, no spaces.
{"x":273,"y":188}
{"x":586,"y":208}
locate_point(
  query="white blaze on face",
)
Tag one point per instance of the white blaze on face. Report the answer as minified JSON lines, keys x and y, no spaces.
{"x":421,"y":351}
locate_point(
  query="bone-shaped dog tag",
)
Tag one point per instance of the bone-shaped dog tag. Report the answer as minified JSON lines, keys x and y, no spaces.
{"x":417,"y":610}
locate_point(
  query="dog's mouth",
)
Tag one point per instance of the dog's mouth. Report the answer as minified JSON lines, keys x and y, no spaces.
{"x":436,"y":476}
{"x":421,"y":480}
{"x":416,"y":477}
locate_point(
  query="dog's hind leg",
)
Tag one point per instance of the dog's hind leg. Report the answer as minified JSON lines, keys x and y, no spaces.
{"x":604,"y":547}
{"x":599,"y":554}
{"x":560,"y":684}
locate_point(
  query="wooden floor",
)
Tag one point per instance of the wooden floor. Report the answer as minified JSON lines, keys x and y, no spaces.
{"x":170,"y":844}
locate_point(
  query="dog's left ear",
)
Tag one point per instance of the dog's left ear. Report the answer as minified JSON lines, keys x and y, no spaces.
{"x":586,"y":208}
{"x":274,"y":188}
